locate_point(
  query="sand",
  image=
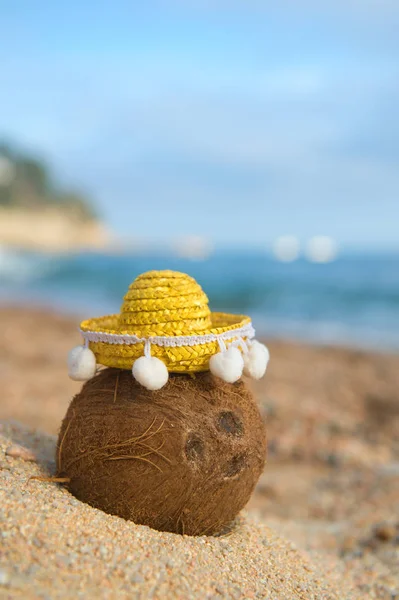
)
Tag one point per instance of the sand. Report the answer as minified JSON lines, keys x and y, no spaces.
{"x":58,"y":547}
{"x":331,"y":486}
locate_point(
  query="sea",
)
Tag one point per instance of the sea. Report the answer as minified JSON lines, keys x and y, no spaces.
{"x":352,"y":301}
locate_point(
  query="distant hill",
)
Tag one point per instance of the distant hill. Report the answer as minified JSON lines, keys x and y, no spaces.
{"x":37,"y":214}
{"x":26,"y":182}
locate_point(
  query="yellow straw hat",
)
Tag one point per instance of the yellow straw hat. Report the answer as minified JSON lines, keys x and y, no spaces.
{"x":165,"y":325}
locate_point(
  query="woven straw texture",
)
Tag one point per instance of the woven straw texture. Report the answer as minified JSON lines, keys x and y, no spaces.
{"x":163,"y":303}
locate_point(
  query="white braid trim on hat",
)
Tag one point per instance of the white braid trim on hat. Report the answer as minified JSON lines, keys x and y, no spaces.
{"x":246,"y":331}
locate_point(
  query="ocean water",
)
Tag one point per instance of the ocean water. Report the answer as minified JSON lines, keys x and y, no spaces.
{"x":352,"y":301}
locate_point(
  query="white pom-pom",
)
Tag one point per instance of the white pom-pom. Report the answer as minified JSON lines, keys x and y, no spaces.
{"x":150,"y":372}
{"x":255,"y":360}
{"x":81,"y":364}
{"x":227,"y":365}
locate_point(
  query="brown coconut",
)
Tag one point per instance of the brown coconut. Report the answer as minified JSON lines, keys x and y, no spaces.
{"x":184,"y":459}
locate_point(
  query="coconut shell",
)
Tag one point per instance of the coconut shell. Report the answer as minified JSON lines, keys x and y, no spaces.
{"x":183,"y":459}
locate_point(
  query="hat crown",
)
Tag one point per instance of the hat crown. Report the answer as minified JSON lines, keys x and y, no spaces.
{"x":165,"y":303}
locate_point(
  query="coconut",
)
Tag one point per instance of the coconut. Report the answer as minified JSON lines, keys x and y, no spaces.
{"x":184,"y":458}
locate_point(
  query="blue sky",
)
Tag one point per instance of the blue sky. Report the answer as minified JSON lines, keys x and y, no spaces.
{"x":241,"y":121}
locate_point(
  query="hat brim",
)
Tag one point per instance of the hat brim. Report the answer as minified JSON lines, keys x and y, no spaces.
{"x":116,"y":347}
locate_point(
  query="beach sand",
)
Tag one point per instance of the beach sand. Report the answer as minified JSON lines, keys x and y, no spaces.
{"x":331,"y":486}
{"x":58,"y":547}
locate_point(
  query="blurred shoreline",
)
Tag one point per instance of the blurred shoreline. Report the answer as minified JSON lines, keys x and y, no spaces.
{"x":50,"y":230}
{"x":352,"y":302}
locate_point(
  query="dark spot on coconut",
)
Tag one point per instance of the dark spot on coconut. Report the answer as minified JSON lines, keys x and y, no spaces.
{"x":230,"y":423}
{"x":194,"y":447}
{"x":235,"y":466}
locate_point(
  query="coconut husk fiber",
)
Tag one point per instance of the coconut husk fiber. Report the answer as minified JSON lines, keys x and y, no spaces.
{"x":183,"y":459}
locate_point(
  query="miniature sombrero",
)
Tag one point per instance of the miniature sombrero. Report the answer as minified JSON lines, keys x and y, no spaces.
{"x":165,"y":325}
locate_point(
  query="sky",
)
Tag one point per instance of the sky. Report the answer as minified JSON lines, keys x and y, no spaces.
{"x":239,"y":121}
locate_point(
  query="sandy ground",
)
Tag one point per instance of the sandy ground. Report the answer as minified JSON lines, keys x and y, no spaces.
{"x":58,"y":547}
{"x":331,"y":484}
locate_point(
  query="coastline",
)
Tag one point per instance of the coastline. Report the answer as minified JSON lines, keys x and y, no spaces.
{"x":332,"y":475}
{"x":50,"y":229}
{"x":351,"y":302}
